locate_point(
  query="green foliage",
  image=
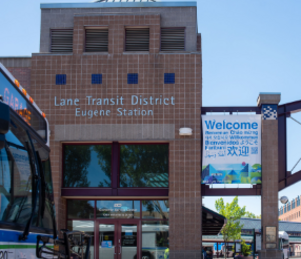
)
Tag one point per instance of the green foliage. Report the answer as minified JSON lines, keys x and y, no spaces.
{"x":233,"y":213}
{"x":250,"y":215}
{"x":245,"y":249}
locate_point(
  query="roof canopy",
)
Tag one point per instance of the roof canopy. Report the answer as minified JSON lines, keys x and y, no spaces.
{"x":212,"y":222}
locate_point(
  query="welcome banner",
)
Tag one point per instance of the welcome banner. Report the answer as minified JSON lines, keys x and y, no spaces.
{"x":231,"y":149}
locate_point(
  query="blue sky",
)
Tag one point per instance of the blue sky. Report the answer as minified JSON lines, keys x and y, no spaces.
{"x":248,"y":46}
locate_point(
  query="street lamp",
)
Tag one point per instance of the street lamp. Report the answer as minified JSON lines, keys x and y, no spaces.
{"x":283,"y":200}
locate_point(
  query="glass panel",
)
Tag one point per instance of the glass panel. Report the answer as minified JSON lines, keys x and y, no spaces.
{"x":144,"y":166}
{"x":86,"y":226}
{"x":87,"y":165}
{"x":106,"y":241}
{"x":47,"y":211}
{"x":118,"y":209}
{"x":16,"y":173}
{"x":128,"y":241}
{"x":155,"y":239}
{"x":80,"y":209}
{"x":21,"y":105}
{"x":155,"y":209}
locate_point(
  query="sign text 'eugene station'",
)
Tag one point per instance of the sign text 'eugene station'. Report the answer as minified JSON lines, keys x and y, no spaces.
{"x":119,"y":100}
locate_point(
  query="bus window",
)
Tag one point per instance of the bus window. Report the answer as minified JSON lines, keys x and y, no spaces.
{"x":17,"y":168}
{"x":46,"y":201}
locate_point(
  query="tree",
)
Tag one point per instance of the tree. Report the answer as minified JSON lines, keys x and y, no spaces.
{"x":245,"y":249}
{"x":233,"y":213}
{"x":250,"y":215}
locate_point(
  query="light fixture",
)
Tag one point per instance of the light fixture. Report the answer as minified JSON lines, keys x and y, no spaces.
{"x":283,"y":200}
{"x":185,"y":131}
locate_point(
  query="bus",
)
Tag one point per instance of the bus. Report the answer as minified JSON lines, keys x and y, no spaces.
{"x":27,"y":210}
{"x":284,"y":243}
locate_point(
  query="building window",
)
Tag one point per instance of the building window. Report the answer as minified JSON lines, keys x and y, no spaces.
{"x":60,"y":79}
{"x":143,"y":165}
{"x":137,"y":39}
{"x":172,"y":39}
{"x":157,"y":240}
{"x":293,"y":204}
{"x":289,"y":206}
{"x":169,"y":78}
{"x":132,"y":78}
{"x":87,"y":165}
{"x":61,"y":40}
{"x":96,"y":79}
{"x":96,"y":39}
{"x":155,"y":209}
{"x":284,"y":209}
{"x":298,"y":201}
{"x":128,"y":209}
{"x":80,"y":209}
{"x":140,"y":165}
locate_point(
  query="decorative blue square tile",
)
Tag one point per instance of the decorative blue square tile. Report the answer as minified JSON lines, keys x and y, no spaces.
{"x":60,"y":79}
{"x":269,"y":111}
{"x":169,"y":78}
{"x":96,"y":79}
{"x":133,"y":79}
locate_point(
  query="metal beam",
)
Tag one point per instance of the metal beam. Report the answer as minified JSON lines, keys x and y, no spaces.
{"x":231,"y":110}
{"x":289,"y":108}
{"x":206,"y":191}
{"x":289,"y":180}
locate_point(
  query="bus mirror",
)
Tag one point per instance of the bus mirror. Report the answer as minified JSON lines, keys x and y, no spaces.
{"x":2,"y":141}
{"x":4,"y":118}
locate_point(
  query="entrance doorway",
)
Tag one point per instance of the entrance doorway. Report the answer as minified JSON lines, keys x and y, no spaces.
{"x":117,"y":239}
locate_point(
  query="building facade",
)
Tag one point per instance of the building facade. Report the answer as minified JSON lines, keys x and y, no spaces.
{"x":290,"y":211}
{"x":121,"y":86}
{"x":117,"y":81}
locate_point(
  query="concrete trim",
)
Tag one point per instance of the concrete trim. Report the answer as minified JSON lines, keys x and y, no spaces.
{"x":268,"y":98}
{"x":113,"y":132}
{"x":119,"y":4}
{"x":16,"y":61}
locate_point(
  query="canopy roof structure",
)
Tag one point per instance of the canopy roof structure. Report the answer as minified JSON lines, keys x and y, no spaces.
{"x":212,"y":222}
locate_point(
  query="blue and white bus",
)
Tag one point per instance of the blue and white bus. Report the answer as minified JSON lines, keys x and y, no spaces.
{"x":27,"y":211}
{"x":26,"y":191}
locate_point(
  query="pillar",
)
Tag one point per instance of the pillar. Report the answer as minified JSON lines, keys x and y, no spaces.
{"x":269,"y":161}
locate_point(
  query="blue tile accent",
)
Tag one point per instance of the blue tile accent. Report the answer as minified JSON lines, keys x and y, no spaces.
{"x":60,"y":79}
{"x":169,"y":78}
{"x":269,"y":111}
{"x":133,"y":79}
{"x":96,"y":79}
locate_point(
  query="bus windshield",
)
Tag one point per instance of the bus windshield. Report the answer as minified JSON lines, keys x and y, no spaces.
{"x":25,"y":180}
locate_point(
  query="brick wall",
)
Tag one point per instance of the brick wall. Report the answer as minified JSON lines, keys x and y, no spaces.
{"x":20,"y":68}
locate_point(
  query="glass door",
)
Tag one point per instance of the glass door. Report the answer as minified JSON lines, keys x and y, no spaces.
{"x":107,"y":240}
{"x":117,"y":239}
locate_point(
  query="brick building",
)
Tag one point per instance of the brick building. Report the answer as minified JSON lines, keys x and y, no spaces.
{"x":290,"y":211}
{"x":118,"y":79}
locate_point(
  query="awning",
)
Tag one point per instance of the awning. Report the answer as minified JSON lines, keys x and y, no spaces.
{"x":212,"y":222}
